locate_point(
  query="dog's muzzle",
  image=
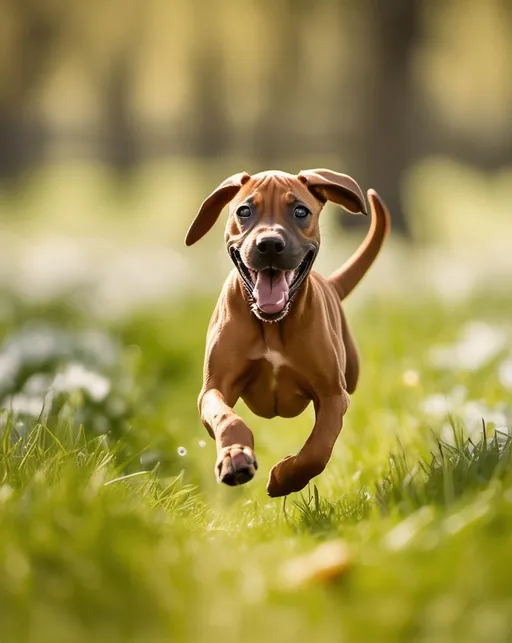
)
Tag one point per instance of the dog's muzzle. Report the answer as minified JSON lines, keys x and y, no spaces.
{"x":271,"y":291}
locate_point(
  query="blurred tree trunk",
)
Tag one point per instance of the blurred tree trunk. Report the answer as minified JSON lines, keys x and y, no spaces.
{"x":122,"y":145}
{"x":12,"y":137}
{"x":207,"y":122}
{"x":121,"y":148}
{"x":387,"y":142}
{"x":274,"y":136}
{"x":28,"y":52}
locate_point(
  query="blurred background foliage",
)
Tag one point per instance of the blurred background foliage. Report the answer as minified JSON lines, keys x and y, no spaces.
{"x":380,"y":90}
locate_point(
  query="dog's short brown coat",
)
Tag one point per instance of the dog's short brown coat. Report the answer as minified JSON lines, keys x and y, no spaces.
{"x":279,"y":363}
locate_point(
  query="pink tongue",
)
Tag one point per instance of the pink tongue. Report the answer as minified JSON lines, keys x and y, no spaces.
{"x":271,"y":293}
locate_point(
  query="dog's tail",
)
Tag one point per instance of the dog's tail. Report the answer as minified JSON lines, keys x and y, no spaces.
{"x":346,"y":278}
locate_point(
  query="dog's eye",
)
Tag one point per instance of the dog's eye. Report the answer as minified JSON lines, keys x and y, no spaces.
{"x":244,"y":211}
{"x":301,"y":212}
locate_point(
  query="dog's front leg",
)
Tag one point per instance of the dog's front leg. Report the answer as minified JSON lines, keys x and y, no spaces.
{"x":295,"y":471}
{"x":236,"y":463}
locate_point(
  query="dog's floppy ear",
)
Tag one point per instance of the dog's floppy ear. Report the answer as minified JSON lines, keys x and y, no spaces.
{"x":327,"y":185}
{"x":212,"y":206}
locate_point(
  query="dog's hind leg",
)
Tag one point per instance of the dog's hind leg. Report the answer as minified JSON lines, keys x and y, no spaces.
{"x":352,"y":356}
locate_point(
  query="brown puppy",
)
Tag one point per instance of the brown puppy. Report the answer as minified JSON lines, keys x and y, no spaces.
{"x":307,"y":353}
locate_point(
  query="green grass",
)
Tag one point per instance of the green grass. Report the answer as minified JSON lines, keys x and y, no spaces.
{"x":107,"y":534}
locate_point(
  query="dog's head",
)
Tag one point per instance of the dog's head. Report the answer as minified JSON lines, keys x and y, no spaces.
{"x":273,"y":234}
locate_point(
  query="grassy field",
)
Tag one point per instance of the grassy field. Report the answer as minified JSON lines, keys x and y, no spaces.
{"x":113,"y":529}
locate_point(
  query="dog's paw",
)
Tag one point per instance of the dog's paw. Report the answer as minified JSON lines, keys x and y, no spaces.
{"x":292,"y":474}
{"x":284,"y":479}
{"x":235,"y":465}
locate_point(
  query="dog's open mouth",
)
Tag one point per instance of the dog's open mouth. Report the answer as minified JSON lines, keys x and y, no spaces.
{"x":272,"y":290}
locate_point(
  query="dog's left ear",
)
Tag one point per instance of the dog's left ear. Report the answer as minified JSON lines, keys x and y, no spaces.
{"x":327,"y":185}
{"x":213,"y":205}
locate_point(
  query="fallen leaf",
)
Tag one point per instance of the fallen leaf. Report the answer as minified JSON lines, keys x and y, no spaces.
{"x":328,"y":562}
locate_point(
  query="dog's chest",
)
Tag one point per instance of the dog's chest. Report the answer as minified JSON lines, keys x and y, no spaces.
{"x":270,"y":357}
{"x":275,"y":358}
{"x":272,"y":388}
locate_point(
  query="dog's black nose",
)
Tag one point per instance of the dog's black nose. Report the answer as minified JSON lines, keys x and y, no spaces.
{"x":269,"y":245}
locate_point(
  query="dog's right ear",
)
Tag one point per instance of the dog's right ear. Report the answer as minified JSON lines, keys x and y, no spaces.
{"x":213,"y":205}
